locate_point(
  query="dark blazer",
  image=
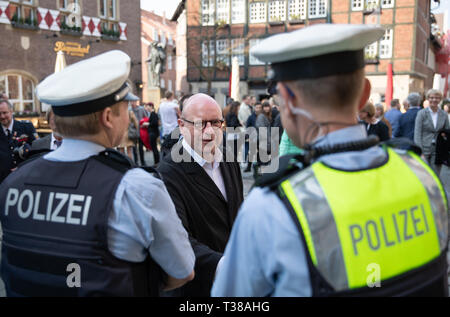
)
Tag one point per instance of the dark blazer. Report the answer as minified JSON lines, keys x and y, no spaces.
{"x":204,"y":212}
{"x":42,"y":144}
{"x":406,"y":124}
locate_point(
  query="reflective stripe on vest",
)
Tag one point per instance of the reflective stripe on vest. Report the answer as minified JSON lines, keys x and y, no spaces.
{"x":394,"y":216}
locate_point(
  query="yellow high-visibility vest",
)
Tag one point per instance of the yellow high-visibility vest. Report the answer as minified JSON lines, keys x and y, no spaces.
{"x":392,"y":217}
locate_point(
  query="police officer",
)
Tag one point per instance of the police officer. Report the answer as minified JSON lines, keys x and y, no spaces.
{"x":19,"y":135}
{"x":81,"y":220}
{"x":350,"y":217}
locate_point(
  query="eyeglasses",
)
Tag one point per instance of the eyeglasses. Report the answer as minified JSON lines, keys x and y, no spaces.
{"x":202,"y":124}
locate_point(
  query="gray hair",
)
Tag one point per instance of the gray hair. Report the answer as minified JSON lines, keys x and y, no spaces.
{"x":414,"y":99}
{"x":8,"y":103}
{"x":433,"y":92}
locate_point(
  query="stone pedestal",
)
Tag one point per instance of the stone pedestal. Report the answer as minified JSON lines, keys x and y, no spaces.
{"x":154,"y":95}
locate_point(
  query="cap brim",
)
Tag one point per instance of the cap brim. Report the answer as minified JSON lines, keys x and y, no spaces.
{"x":131,"y":97}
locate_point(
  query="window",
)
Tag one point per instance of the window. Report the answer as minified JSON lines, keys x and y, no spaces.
{"x":66,"y":7}
{"x":169,"y":39}
{"x":208,"y":54}
{"x":23,"y":12}
{"x":386,"y":44}
{"x":163,"y":38}
{"x":162,"y":83}
{"x":169,"y":85}
{"x":258,"y":12}
{"x":208,"y":10}
{"x":388,"y":3}
{"x":317,"y":8}
{"x":109,"y":17}
{"x":237,"y":49}
{"x":372,"y":4}
{"x":253,"y":60}
{"x":155,"y":35}
{"x":169,"y":62}
{"x":223,"y":55}
{"x":277,"y":10}
{"x":371,"y":51}
{"x":20,"y":91}
{"x":237,"y":11}
{"x":223,"y":11}
{"x":297,"y":10}
{"x":357,"y":5}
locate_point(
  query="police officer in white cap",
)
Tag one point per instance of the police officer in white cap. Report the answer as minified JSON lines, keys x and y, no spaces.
{"x":338,"y":220}
{"x":81,"y":220}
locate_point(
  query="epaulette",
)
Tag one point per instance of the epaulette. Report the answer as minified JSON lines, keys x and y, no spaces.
{"x":288,"y":165}
{"x":115,"y":160}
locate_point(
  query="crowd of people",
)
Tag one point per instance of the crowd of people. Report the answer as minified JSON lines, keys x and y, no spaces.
{"x":334,"y":208}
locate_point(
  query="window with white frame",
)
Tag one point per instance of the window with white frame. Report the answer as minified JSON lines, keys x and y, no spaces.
{"x":169,"y":62}
{"x":238,"y":49}
{"x":252,"y":59}
{"x":297,"y":10}
{"x":237,"y":11}
{"x":372,"y":4}
{"x":357,"y":5}
{"x":169,"y":39}
{"x":24,"y":12}
{"x":169,"y":85}
{"x":162,"y":83}
{"x":317,"y":8}
{"x":109,"y":19}
{"x":386,"y":44}
{"x":371,"y":51}
{"x":20,"y":91}
{"x":387,"y":3}
{"x":223,"y":53}
{"x":208,"y":12}
{"x":223,"y":11}
{"x":155,"y":35}
{"x":208,"y":53}
{"x":163,"y":38}
{"x":277,"y":10}
{"x":258,"y":12}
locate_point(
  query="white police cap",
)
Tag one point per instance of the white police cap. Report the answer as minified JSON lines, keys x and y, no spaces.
{"x":88,"y":86}
{"x":317,"y":51}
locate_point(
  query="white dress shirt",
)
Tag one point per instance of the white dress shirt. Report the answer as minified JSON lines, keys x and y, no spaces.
{"x":434,"y":117}
{"x":10,"y":127}
{"x":212,"y":169}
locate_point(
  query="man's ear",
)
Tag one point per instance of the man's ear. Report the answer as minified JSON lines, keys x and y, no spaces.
{"x":286,"y":96}
{"x":365,"y":94}
{"x":106,"y":118}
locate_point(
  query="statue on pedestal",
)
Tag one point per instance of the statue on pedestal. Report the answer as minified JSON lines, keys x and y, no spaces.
{"x":156,"y":61}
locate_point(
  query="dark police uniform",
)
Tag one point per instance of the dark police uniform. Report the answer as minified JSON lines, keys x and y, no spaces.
{"x":349,"y":218}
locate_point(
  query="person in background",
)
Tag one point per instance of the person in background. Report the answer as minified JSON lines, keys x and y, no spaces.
{"x":379,"y":116}
{"x":407,"y":120}
{"x":126,"y":142}
{"x":139,"y":113}
{"x":373,"y":126}
{"x":232,"y":122}
{"x":428,"y":123}
{"x":405,"y":105}
{"x":50,"y":142}
{"x":393,"y":115}
{"x":245,"y":111}
{"x":169,"y":112}
{"x":153,"y":130}
{"x":227,"y":107}
{"x":253,"y":134}
{"x":263,"y":124}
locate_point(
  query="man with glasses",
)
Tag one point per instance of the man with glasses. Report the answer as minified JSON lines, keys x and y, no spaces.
{"x":205,"y":187}
{"x":338,"y":220}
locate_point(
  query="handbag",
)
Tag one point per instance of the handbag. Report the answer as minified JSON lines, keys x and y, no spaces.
{"x":133,"y":132}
